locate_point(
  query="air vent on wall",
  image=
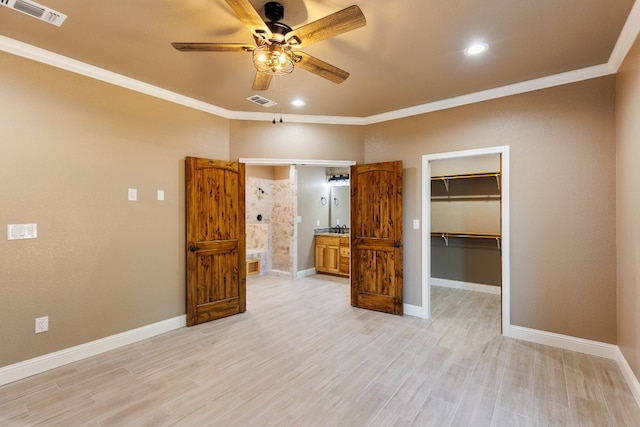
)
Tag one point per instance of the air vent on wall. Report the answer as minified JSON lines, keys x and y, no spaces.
{"x":36,"y":10}
{"x":257,"y":99}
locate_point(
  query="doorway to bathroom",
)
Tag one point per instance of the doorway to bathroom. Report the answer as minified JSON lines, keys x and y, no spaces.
{"x":286,"y":202}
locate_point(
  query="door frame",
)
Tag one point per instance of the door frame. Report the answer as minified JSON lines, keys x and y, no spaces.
{"x":504,"y":227}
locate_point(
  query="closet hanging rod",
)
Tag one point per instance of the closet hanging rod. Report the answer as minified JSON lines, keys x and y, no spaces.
{"x":480,"y":197}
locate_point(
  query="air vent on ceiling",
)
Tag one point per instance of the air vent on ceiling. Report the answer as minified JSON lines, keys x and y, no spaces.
{"x":257,"y":99}
{"x":36,"y":10}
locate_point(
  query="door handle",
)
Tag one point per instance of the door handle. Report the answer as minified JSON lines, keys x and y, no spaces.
{"x":193,"y":248}
{"x":397,"y":244}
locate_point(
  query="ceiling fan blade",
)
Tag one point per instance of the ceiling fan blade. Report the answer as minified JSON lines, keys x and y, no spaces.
{"x":250,"y":17}
{"x":332,"y":25}
{"x":321,"y":68}
{"x":261,"y":81}
{"x":213,"y":47}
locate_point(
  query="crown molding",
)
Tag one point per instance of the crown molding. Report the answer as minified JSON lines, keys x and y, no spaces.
{"x":296,"y":162}
{"x":500,"y":92}
{"x":627,"y":37}
{"x":298,"y":118}
{"x":623,"y":45}
{"x":37,"y":54}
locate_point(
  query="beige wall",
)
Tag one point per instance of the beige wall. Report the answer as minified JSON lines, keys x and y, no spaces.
{"x":562,"y":197}
{"x":296,"y":141}
{"x":628,"y":207}
{"x":70,"y":148}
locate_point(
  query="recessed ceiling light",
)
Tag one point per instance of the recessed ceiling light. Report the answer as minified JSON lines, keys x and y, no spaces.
{"x":476,"y":49}
{"x":298,"y":102}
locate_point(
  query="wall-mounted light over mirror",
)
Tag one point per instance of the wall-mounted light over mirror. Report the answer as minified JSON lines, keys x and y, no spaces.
{"x":339,"y":194}
{"x":336,"y":180}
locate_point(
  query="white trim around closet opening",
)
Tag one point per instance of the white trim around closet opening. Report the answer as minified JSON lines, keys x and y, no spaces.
{"x":426,"y":228}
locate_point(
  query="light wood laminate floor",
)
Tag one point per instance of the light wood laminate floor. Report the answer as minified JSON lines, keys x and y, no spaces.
{"x":301,"y":356}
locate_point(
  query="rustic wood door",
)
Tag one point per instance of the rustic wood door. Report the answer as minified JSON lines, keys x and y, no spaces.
{"x":216,"y":276}
{"x":376,"y":236}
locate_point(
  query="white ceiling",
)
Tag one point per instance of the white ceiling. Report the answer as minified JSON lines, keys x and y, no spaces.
{"x":408,"y":59}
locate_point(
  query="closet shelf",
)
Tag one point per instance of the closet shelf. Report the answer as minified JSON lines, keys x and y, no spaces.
{"x":446,"y":178}
{"x":445,"y":236}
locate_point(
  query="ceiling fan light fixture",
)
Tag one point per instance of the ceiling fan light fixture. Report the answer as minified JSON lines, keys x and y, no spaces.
{"x":274,"y":59}
{"x":476,"y":49}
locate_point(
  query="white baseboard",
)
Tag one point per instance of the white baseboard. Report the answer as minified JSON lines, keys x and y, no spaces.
{"x":49,"y":361}
{"x":467,"y":286}
{"x":280,"y":273}
{"x":54,"y":360}
{"x":412,"y":310}
{"x":581,"y":345}
{"x":304,"y":273}
{"x":632,"y":381}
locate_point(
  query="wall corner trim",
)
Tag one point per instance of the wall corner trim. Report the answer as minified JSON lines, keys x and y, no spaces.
{"x":37,"y":365}
{"x":628,"y":374}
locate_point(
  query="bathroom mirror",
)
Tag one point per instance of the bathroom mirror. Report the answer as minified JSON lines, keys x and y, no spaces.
{"x":339,"y":199}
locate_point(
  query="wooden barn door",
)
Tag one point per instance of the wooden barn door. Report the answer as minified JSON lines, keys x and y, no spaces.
{"x":376,"y":236}
{"x":216,"y":276}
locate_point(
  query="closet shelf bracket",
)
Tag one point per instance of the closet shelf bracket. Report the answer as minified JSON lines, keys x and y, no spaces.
{"x":445,"y":181}
{"x":498,"y":181}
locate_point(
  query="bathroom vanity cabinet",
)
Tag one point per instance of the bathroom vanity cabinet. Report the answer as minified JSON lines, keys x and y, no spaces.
{"x":333,"y":254}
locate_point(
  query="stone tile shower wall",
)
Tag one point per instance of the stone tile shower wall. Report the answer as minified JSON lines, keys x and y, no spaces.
{"x":274,"y":200}
{"x":260,"y":200}
{"x":257,"y":237}
{"x":283,"y":226}
{"x":258,"y":244}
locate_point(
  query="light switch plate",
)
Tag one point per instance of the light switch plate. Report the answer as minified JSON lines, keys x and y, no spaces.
{"x":132,"y":194}
{"x":416,"y":224}
{"x":160,"y":194}
{"x":22,"y":231}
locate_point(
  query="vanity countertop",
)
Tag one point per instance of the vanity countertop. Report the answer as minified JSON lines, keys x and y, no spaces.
{"x":331,"y":234}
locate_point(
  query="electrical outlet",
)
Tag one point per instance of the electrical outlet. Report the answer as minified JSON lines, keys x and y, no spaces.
{"x":42,"y":324}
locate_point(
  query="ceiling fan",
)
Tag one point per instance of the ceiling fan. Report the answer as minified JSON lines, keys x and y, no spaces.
{"x":276,"y":50}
